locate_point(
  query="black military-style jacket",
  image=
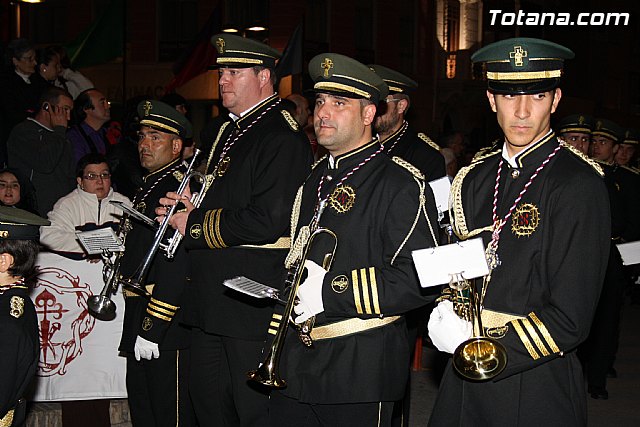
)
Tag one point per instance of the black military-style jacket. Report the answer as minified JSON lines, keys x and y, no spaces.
{"x":247,"y":207}
{"x":418,"y":150}
{"x":19,"y":345}
{"x":157,"y":317}
{"x":553,"y":253}
{"x":372,"y":277}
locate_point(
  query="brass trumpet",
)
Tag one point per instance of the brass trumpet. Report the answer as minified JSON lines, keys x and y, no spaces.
{"x":479,"y":358}
{"x":268,"y":372}
{"x":137,"y":279}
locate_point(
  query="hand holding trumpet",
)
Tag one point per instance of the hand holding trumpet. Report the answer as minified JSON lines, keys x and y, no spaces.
{"x":178,"y":220}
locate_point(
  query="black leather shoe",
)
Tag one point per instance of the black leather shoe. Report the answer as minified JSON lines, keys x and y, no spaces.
{"x":612,"y":373}
{"x":599,"y":393}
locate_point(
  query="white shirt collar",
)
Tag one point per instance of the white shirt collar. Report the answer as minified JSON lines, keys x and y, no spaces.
{"x":39,"y":124}
{"x":512,"y":160}
{"x":25,"y":77}
{"x":244,"y":113}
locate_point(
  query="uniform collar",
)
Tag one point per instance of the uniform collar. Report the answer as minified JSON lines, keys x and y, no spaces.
{"x":533,"y":154}
{"x":163,"y":169}
{"x":355,"y":156}
{"x":396,"y":133}
{"x":248,"y":116}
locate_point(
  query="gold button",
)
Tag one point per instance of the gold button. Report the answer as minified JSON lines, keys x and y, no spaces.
{"x":515,"y":173}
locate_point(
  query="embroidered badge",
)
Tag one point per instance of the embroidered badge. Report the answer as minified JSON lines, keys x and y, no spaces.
{"x":4,"y":234}
{"x":518,"y":55}
{"x":339,"y":284}
{"x":140,"y":207}
{"x":147,"y":107}
{"x":147,"y":323}
{"x":220,"y":45}
{"x":17,"y":306}
{"x":195,"y":231}
{"x":497,"y":332}
{"x":342,"y":199}
{"x":326,"y":65}
{"x":223,"y":166}
{"x":525,"y":220}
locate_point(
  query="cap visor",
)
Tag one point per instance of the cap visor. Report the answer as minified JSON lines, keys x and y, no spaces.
{"x":522,"y":87}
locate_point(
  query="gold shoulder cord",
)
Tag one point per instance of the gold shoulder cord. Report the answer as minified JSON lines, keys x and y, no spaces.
{"x":215,"y":144}
{"x":422,"y":206}
{"x":581,"y":156}
{"x":456,"y":211}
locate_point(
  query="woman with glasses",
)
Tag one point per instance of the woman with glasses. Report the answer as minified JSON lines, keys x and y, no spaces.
{"x":85,"y":208}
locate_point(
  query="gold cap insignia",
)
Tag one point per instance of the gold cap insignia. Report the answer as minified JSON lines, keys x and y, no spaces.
{"x":147,"y":323}
{"x":17,"y":306}
{"x":517,"y":55}
{"x":581,"y":120}
{"x":195,"y":231}
{"x":525,"y":220}
{"x":340,"y":283}
{"x":147,"y":107}
{"x":220,"y":45}
{"x":342,"y":199}
{"x":326,"y":65}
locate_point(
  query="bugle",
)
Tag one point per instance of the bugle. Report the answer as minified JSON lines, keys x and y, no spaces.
{"x":268,"y":371}
{"x":137,"y":279}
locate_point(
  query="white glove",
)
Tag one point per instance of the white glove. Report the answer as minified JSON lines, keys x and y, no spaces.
{"x":145,"y":349}
{"x":310,"y":293}
{"x":446,"y":330}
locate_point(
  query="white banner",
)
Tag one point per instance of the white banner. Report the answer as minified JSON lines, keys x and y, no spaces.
{"x":78,"y":353}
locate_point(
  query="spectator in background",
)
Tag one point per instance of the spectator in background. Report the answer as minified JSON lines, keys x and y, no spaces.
{"x":92,"y":111}
{"x":18,"y":92}
{"x":39,"y":149}
{"x":85,"y":208}
{"x":450,"y":161}
{"x":16,"y":190}
{"x":454,"y":141}
{"x":68,"y":78}
{"x":48,"y":67}
{"x":302,"y":115}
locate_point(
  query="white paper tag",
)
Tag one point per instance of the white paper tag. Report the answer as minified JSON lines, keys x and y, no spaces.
{"x":441,"y":188}
{"x":630,"y":252}
{"x":436,"y":266}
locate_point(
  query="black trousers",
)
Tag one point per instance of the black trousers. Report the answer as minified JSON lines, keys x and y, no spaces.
{"x":601,"y":346}
{"x":158,"y":390}
{"x":287,"y":412}
{"x":220,"y":391}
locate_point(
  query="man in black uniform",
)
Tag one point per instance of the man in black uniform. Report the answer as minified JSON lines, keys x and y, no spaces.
{"x":575,"y":130}
{"x":358,"y":363}
{"x":601,"y":347}
{"x":259,"y":159}
{"x":394,"y":131}
{"x":155,"y":344}
{"x":19,"y":344}
{"x":627,"y":149}
{"x":542,"y":210}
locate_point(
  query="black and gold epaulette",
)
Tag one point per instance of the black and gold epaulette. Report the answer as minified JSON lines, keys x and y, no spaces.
{"x":594,"y":164}
{"x":317,"y":162}
{"x":408,"y":166}
{"x":178,"y":175}
{"x":290,"y":120}
{"x":485,"y":152}
{"x":429,"y":141}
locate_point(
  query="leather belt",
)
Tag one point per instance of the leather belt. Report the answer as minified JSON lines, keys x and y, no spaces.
{"x":349,"y":327}
{"x":281,"y":243}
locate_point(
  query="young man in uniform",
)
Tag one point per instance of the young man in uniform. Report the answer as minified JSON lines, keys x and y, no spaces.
{"x":19,"y":343}
{"x":542,"y":210}
{"x":155,"y":343}
{"x":358,"y":363}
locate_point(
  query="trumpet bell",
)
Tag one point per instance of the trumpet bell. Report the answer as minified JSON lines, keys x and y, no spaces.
{"x":480,"y":358}
{"x":267,"y":376}
{"x":101,"y":307}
